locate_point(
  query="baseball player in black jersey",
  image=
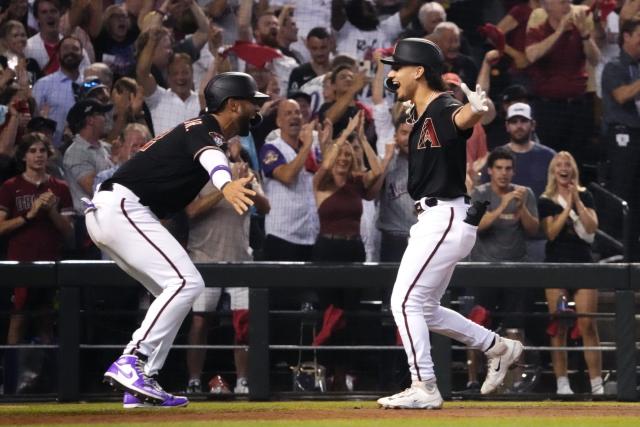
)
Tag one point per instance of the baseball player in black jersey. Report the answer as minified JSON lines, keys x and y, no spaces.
{"x":446,"y":227}
{"x":122,"y":219}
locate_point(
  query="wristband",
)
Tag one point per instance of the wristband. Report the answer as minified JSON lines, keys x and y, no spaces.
{"x":159,"y":12}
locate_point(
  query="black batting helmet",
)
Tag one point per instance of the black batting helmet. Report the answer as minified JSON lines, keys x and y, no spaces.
{"x":231,"y":85}
{"x":417,"y":51}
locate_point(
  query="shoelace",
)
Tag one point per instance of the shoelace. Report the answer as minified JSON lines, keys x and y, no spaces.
{"x":151,"y":380}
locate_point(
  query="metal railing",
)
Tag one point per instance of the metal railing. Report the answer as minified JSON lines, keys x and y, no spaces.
{"x":72,"y":276}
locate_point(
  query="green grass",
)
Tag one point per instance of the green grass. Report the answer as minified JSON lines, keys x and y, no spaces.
{"x":214,"y":411}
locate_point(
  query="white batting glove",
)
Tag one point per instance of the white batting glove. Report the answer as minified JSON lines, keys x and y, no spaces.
{"x":477,"y":100}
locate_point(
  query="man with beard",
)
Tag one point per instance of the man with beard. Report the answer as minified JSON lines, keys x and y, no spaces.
{"x":55,"y":91}
{"x":160,"y":180}
{"x":446,"y":227}
{"x":266,"y":33}
{"x":360,"y":31}
{"x":44,"y":46}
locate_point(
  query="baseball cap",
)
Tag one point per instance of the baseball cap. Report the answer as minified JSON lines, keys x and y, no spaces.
{"x":519,"y":109}
{"x":39,"y":124}
{"x":299,"y":94}
{"x":452,"y":79}
{"x":84,"y":108}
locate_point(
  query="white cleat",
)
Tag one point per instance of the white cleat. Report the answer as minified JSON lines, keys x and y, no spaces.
{"x":419,"y":396}
{"x":502,"y":356}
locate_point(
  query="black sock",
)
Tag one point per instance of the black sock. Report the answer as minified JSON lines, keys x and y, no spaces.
{"x":140,"y":356}
{"x":492,"y":343}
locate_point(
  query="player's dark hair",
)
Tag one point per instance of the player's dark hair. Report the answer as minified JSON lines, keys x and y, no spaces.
{"x":627,"y":28}
{"x":319,"y":33}
{"x":26,"y":142}
{"x":434,"y":79}
{"x":500,"y":154}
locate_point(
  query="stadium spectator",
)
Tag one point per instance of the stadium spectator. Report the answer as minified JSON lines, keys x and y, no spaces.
{"x":218,"y":233}
{"x":621,"y":108}
{"x":339,"y":188}
{"x":569,"y":220}
{"x":35,"y":212}
{"x":558,"y":49}
{"x":447,"y":36}
{"x":115,"y":42}
{"x":359,"y":31}
{"x":265,"y":33}
{"x":54,"y":93}
{"x":511,"y":217}
{"x":318,"y":44}
{"x":13,"y":39}
{"x":347,"y":84}
{"x":288,"y":34}
{"x":83,"y":160}
{"x":308,"y":14}
{"x":292,"y":224}
{"x":44,"y":47}
{"x":18,"y":10}
{"x":172,"y":106}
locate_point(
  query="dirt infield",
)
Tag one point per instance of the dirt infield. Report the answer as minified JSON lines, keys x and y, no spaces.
{"x":112,"y":414}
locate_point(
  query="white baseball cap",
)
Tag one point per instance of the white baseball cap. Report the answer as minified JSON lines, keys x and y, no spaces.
{"x":519,"y":109}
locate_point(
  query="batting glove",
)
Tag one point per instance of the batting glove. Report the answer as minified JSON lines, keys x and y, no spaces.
{"x":477,"y":100}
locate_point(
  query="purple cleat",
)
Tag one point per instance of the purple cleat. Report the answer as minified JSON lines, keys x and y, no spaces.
{"x":127,"y":374}
{"x":130,"y":401}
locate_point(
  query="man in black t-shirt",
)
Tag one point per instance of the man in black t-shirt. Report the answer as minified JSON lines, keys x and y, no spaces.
{"x":161,"y":179}
{"x":446,"y":227}
{"x":319,"y":47}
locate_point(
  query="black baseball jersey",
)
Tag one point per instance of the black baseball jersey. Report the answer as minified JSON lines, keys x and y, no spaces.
{"x":438,"y":152}
{"x":166,"y":174}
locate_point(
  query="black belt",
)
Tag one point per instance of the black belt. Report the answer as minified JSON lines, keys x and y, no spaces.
{"x":340,"y":237}
{"x":106,"y":186}
{"x":431,"y":202}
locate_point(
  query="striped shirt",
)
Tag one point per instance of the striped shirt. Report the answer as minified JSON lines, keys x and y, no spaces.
{"x":293,"y":216}
{"x":168,"y":110}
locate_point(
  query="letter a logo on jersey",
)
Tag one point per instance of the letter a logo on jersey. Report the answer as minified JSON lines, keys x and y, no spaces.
{"x":428,"y":136}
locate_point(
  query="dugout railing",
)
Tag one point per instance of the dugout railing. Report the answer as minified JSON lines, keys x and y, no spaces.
{"x":72,"y":276}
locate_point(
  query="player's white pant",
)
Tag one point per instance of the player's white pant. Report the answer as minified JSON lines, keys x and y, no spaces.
{"x":437,"y":242}
{"x":134,"y":238}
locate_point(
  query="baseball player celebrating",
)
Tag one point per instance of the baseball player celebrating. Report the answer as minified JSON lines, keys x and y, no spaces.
{"x":122,"y":219}
{"x":446,"y":227}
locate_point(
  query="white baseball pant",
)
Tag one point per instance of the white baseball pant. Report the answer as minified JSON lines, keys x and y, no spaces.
{"x":437,"y":242}
{"x":136,"y":240}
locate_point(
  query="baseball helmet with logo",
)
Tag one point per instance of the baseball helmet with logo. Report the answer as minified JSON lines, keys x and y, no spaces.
{"x":415,"y":51}
{"x":231,"y":85}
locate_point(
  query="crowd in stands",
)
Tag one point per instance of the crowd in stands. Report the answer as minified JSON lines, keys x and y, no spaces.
{"x":85,"y":84}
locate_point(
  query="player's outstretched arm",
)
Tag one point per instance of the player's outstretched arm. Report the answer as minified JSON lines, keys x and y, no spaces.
{"x":237,"y":193}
